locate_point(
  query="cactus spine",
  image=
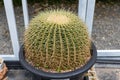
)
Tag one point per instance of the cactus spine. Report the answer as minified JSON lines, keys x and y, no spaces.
{"x":57,"y":40}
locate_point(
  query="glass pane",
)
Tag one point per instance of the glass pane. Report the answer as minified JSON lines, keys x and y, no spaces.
{"x":106,"y":27}
{"x":5,"y":41}
{"x":19,"y":22}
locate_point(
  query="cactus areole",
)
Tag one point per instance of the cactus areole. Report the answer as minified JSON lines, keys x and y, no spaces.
{"x":57,"y":41}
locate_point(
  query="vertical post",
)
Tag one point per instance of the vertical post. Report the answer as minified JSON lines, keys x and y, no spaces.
{"x":12,"y":25}
{"x":82,"y":9}
{"x":90,"y":14}
{"x":25,"y":12}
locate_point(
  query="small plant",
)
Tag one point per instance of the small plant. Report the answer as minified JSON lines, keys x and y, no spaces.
{"x":57,"y":41}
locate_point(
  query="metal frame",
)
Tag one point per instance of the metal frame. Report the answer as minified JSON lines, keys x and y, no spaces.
{"x":13,"y":31}
{"x":12,"y":28}
{"x":109,"y":55}
{"x":25,"y":12}
{"x":85,"y":12}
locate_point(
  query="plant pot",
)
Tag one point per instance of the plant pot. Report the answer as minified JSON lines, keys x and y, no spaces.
{"x":72,"y":75}
{"x":1,"y":64}
{"x":3,"y":69}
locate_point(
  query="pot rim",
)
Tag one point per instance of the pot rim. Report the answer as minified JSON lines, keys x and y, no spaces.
{"x":62,"y":75}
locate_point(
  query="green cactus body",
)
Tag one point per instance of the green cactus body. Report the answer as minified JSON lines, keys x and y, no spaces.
{"x":57,"y":41}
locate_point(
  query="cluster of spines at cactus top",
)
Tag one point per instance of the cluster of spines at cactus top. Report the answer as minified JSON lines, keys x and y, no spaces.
{"x":57,"y":41}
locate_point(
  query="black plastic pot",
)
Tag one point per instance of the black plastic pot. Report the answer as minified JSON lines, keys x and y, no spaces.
{"x":72,"y":75}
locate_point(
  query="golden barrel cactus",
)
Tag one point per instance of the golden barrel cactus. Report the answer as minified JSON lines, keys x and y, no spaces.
{"x":57,"y":41}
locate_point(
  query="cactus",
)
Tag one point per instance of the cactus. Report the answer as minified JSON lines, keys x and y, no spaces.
{"x":57,"y":41}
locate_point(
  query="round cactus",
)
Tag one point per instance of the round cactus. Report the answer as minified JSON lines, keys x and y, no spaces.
{"x":57,"y":40}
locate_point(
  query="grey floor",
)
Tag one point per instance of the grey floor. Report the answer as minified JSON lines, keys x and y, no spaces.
{"x":104,"y":72}
{"x":19,"y":75}
{"x":108,"y":71}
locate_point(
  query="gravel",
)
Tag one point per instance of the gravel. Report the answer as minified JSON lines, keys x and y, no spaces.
{"x":5,"y":42}
{"x":106,"y":28}
{"x":105,"y":32}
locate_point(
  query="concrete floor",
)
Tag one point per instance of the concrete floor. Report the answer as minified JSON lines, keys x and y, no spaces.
{"x":19,"y":75}
{"x":108,"y":71}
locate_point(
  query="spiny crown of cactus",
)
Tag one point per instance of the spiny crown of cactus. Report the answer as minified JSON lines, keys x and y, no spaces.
{"x":57,"y":40}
